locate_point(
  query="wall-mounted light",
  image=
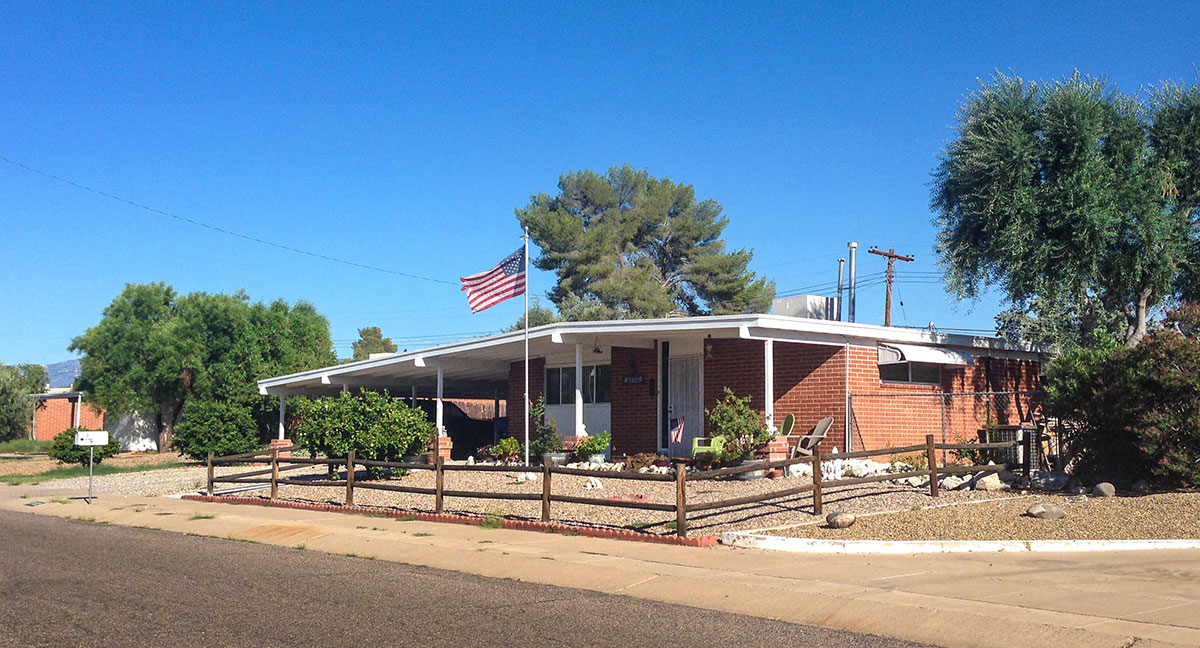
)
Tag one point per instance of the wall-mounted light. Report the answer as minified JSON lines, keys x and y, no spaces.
{"x":597,"y":348}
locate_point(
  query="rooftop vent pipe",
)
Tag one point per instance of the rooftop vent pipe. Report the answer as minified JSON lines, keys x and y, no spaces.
{"x":853,"y":245}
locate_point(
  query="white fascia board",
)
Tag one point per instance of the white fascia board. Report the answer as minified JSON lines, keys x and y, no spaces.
{"x":869,"y":334}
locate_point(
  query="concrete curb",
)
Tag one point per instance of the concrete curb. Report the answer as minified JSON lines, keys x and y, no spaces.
{"x":809,"y":545}
{"x":519,"y":525}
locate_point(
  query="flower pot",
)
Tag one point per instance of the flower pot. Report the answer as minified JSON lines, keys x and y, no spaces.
{"x":597,"y":458}
{"x":556,"y":458}
{"x":749,"y":475}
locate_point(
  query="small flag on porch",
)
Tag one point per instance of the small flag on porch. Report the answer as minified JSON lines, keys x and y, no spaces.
{"x":490,"y":287}
{"x":677,"y":431}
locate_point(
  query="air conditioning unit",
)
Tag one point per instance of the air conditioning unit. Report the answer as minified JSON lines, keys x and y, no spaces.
{"x":810,"y":306}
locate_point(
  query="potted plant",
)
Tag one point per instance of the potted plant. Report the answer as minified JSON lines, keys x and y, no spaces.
{"x":546,"y":442}
{"x":745,"y":428}
{"x":591,"y":449}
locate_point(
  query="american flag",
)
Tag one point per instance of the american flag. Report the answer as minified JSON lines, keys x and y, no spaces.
{"x":490,"y":287}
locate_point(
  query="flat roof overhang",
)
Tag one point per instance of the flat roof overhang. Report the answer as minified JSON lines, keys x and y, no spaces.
{"x":479,"y":368}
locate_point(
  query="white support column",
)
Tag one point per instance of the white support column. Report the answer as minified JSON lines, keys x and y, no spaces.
{"x":282,"y":411}
{"x":78,"y":406}
{"x":440,"y":428}
{"x":579,"y":429}
{"x":769,"y":382}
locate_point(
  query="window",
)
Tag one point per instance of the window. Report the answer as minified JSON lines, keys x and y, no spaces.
{"x":925,"y":373}
{"x":560,"y":385}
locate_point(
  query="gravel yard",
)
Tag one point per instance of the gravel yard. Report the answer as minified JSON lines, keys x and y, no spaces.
{"x":786,"y":511}
{"x":41,"y":463}
{"x":166,"y":481}
{"x":1158,"y":516}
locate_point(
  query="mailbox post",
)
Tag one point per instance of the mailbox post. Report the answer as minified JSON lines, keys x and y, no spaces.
{"x":90,"y":439}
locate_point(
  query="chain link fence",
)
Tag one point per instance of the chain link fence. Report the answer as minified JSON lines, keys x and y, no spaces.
{"x":898,"y":418}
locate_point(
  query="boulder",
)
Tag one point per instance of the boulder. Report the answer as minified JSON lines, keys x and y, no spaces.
{"x":1050,"y":481}
{"x":1046,"y":511}
{"x":951,"y":482}
{"x":839,"y":520}
{"x":593,"y":484}
{"x":1006,"y":476}
{"x":989,"y":482}
{"x":1104,"y":489}
{"x":1140,"y":487}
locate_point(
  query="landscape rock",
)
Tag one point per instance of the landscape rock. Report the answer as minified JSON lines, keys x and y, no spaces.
{"x":1046,"y":511}
{"x":470,"y":461}
{"x":1050,"y":481}
{"x":989,"y":482}
{"x":951,"y":482}
{"x":1104,"y":489}
{"x":526,"y":477}
{"x":798,"y":470}
{"x":1006,"y":476}
{"x":1140,"y":487}
{"x":1080,"y":490}
{"x":593,"y":484}
{"x":839,"y":520}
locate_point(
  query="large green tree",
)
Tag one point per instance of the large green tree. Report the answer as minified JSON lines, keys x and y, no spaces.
{"x":370,"y":340}
{"x":626,"y":245}
{"x":16,"y":409}
{"x":154,"y":350}
{"x":1076,"y":200}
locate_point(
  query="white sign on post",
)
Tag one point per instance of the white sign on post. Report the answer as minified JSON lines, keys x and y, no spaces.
{"x":91,"y":437}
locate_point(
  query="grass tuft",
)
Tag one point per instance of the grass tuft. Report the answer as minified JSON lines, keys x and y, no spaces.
{"x":201,"y":516}
{"x":24,"y":446}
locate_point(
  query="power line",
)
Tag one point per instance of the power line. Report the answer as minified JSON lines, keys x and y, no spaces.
{"x":221,"y":229}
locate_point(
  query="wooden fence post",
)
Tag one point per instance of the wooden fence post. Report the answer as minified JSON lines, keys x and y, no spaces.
{"x":210,"y":473}
{"x":546,"y":489}
{"x":438,"y":464}
{"x":931,"y":451}
{"x":274,"y":473}
{"x":680,"y":499}
{"x":350,"y":478}
{"x":816,"y":464}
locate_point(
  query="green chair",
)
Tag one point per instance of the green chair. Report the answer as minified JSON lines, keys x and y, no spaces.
{"x":708,"y":446}
{"x":789,"y":424}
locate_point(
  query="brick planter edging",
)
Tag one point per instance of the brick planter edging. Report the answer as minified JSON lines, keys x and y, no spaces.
{"x":519,"y":525}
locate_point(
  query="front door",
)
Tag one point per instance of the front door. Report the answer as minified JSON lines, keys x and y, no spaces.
{"x":685,"y":402}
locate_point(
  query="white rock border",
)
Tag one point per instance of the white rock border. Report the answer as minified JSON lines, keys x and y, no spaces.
{"x":752,"y":540}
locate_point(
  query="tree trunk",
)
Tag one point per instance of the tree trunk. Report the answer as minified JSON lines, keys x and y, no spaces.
{"x":164,"y":438}
{"x":1138,"y":332}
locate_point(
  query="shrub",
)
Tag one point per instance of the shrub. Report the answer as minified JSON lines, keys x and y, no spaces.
{"x":593,"y":445}
{"x":222,"y":427}
{"x":1133,"y":413}
{"x":546,"y":437}
{"x":372,"y":424}
{"x":508,"y":449}
{"x":915,"y":462}
{"x":65,"y":450}
{"x":746,"y":428}
{"x":641,"y":460}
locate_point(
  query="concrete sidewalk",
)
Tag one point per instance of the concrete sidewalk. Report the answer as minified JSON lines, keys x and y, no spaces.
{"x":1147,"y":598}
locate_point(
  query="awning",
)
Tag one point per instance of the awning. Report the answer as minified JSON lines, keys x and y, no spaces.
{"x":896,"y":353}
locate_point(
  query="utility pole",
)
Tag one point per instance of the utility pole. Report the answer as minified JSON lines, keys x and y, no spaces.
{"x":892,"y":257}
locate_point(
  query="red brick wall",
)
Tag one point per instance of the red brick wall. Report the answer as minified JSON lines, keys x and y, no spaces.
{"x":634,"y":422}
{"x":516,"y":389}
{"x":736,"y":364}
{"x":57,"y":414}
{"x":897,"y":414}
{"x":810,"y":382}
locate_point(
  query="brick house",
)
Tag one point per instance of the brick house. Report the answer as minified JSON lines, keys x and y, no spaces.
{"x":58,"y":411}
{"x":884,"y":386}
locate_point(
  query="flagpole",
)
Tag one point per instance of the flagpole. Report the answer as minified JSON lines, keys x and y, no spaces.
{"x":526,"y":407}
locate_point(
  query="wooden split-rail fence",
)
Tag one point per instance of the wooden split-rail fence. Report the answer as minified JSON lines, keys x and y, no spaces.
{"x":281,"y":463}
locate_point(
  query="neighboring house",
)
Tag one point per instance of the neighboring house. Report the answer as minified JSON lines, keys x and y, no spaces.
{"x":59,"y":410}
{"x":884,"y":386}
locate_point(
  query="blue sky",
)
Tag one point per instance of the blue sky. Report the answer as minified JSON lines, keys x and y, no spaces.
{"x":404,"y":135}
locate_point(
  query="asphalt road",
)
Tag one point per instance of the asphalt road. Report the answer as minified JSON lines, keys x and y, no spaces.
{"x":75,"y":583}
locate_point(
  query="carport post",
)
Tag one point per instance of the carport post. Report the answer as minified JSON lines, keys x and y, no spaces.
{"x":769,"y":382}
{"x":282,"y":411}
{"x":579,"y":430}
{"x":440,"y":428}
